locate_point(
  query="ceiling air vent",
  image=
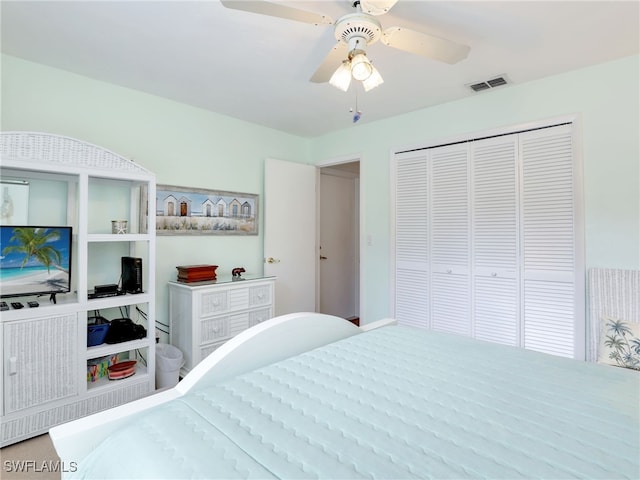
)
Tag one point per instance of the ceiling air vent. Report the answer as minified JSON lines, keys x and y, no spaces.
{"x":486,"y":85}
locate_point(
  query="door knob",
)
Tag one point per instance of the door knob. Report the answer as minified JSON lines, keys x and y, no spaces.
{"x":272,"y":260}
{"x":322,"y":257}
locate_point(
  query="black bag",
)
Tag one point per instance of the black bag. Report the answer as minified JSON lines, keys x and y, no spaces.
{"x":124,"y":330}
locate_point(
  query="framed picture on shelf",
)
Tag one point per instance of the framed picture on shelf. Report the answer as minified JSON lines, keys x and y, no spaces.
{"x":14,"y":202}
{"x":197,"y":211}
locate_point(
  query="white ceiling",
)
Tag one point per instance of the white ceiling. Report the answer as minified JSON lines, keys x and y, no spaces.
{"x":257,"y":68}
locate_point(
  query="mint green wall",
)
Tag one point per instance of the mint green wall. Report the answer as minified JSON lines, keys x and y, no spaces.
{"x":189,"y":146}
{"x":181,"y":144}
{"x":605,"y":96}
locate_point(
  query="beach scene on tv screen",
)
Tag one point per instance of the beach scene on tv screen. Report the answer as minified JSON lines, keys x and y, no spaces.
{"x":34,"y":260}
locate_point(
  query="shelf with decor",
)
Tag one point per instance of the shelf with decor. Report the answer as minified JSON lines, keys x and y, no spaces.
{"x":102,"y":372}
{"x":103,"y":199}
{"x":141,"y":375}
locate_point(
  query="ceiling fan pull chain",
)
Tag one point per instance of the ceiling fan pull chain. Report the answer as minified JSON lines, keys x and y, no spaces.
{"x":357,"y":114}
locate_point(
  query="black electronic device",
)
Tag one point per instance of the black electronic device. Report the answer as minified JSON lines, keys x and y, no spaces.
{"x":124,"y":330}
{"x":110,"y":293}
{"x":132,"y":274}
{"x":111,"y":288}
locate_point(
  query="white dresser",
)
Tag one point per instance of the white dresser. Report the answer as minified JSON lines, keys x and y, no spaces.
{"x":204,"y":315}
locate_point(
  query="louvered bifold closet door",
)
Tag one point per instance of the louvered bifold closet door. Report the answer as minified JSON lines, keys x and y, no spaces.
{"x":411,"y":235}
{"x":548,"y":240}
{"x":450,"y":239}
{"x":495,"y":240}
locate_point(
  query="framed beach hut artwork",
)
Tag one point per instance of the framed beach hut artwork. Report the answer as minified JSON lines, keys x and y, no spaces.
{"x":196,"y":211}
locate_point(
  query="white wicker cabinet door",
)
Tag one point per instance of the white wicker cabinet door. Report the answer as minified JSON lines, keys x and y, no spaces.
{"x":41,"y":361}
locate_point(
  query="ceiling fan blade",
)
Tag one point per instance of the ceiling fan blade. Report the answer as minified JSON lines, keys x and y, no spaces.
{"x":330,"y":63}
{"x":426,"y":45}
{"x":377,"y":7}
{"x":276,"y":10}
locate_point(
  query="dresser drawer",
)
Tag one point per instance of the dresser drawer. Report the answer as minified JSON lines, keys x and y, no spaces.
{"x":213,"y":302}
{"x":234,"y":299}
{"x":215,"y":328}
{"x":207,"y":350}
{"x":260,"y":295}
{"x":258,"y":316}
{"x":224,"y":326}
{"x":221,"y":329}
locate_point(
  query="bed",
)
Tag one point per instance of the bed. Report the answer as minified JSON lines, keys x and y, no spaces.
{"x":313,"y":396}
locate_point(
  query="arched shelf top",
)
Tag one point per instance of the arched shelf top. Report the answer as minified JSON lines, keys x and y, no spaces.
{"x":18,"y":146}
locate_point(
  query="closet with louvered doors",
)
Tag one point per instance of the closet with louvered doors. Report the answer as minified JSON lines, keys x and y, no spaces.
{"x":487,"y":237}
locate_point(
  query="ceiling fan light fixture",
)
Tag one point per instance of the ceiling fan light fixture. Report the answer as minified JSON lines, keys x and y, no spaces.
{"x":341,"y":78}
{"x":373,"y":81}
{"x":361,"y":67}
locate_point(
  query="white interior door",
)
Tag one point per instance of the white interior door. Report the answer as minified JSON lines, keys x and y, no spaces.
{"x":290,"y":234}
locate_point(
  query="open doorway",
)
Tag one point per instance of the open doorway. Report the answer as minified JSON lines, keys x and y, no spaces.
{"x":339,"y":232}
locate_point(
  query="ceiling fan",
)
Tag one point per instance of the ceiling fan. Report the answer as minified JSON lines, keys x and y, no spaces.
{"x":354,"y":32}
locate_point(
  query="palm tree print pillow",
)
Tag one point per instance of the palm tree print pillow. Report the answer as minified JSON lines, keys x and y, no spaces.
{"x":620,"y":343}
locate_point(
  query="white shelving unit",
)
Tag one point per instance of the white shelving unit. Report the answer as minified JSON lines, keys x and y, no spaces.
{"x":44,"y":349}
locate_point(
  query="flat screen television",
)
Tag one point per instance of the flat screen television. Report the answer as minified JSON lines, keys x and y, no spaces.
{"x":35,"y":260}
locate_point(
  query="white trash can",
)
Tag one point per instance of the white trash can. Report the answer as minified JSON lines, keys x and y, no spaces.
{"x":169,"y":360}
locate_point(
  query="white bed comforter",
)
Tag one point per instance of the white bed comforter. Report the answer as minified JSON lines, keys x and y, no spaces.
{"x":392,"y":403}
